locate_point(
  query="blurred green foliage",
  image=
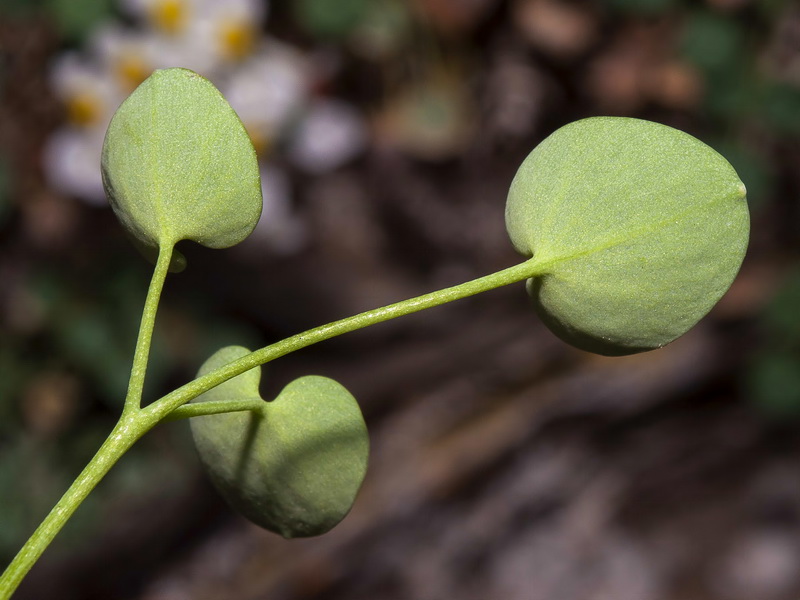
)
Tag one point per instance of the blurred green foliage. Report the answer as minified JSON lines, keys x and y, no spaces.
{"x":753,"y":168}
{"x":714,"y":43}
{"x":28,"y":490}
{"x":738,"y":92}
{"x":744,"y":100}
{"x":5,"y":183}
{"x":63,"y":382}
{"x":35,"y":472}
{"x":96,"y":333}
{"x":326,"y":19}
{"x":18,"y":8}
{"x":374,"y":28}
{"x":781,"y":108}
{"x":772,"y":380}
{"x":773,"y":383}
{"x":75,"y":19}
{"x":643,"y":7}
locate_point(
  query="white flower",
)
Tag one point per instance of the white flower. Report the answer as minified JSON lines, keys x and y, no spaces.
{"x":168,"y":16}
{"x":127,"y":56}
{"x":332,"y":133}
{"x":279,"y":229}
{"x":71,"y":156}
{"x":269,"y":91}
{"x":268,"y":83}
{"x":89,"y":95}
{"x":72,"y":163}
{"x":202,"y":35}
{"x":231,"y":28}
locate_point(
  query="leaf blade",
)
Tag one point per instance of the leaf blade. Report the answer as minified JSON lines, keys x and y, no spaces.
{"x":293,"y":467}
{"x":177,"y":164}
{"x":639,"y":229}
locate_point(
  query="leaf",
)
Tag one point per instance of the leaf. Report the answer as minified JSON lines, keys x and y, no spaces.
{"x":638,"y":228}
{"x":294,"y":467}
{"x":178,"y":164}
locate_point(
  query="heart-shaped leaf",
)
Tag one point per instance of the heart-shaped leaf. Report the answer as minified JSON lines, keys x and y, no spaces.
{"x":177,"y":164}
{"x":638,"y":230}
{"x":293,"y":467}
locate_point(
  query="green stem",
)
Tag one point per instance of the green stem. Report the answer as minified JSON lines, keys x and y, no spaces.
{"x":136,"y":421}
{"x":214,"y":407}
{"x":121,"y":438}
{"x":131,"y":426}
{"x":133,"y":399}
{"x":165,"y":405}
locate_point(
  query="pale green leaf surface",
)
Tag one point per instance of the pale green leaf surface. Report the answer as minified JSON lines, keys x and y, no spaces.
{"x":294,"y":468}
{"x":638,"y":230}
{"x":178,"y":164}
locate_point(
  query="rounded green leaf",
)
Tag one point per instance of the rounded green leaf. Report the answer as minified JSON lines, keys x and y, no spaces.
{"x":296,"y":466}
{"x":636,"y":229}
{"x":177,"y":164}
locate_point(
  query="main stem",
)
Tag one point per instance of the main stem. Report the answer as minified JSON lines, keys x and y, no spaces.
{"x":131,"y":426}
{"x":121,"y":438}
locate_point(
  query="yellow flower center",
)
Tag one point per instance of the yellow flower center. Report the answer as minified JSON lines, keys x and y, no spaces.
{"x":83,"y":109}
{"x":237,"y":39}
{"x":260,"y":139}
{"x":131,"y":70}
{"x":169,"y":15}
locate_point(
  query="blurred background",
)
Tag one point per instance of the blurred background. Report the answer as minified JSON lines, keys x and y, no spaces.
{"x":505,"y":464}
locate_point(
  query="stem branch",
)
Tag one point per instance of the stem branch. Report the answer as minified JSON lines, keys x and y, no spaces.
{"x":165,"y":405}
{"x":132,"y":425}
{"x":133,"y":399}
{"x":214,"y":407}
